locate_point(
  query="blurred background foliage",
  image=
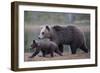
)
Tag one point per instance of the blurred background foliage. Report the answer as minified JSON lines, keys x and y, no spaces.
{"x":54,"y":18}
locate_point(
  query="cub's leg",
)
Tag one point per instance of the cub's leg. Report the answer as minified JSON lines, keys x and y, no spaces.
{"x":58,"y":52}
{"x":35,"y":53}
{"x":51,"y":53}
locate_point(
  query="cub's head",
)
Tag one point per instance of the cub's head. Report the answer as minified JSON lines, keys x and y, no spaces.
{"x":34,"y":44}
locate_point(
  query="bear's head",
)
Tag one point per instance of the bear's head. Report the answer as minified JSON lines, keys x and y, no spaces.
{"x":45,"y":32}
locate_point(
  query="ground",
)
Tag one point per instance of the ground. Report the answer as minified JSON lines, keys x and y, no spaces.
{"x":66,"y":56}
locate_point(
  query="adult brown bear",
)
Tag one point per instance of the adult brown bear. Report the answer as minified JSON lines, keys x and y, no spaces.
{"x":70,"y":35}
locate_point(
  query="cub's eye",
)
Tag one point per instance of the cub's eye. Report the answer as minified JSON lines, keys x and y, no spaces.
{"x":42,"y":32}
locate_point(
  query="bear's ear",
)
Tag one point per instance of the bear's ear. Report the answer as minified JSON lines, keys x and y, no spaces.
{"x":48,"y":28}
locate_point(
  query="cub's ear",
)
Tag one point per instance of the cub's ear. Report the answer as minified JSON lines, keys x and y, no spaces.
{"x":48,"y":28}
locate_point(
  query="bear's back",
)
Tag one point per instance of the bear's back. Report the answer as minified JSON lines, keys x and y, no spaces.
{"x":69,"y":34}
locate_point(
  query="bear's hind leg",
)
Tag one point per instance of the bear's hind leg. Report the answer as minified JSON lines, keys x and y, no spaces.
{"x":84,"y":48}
{"x":73,"y":49}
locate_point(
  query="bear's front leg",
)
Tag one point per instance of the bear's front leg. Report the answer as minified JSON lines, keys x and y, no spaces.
{"x":60,"y":48}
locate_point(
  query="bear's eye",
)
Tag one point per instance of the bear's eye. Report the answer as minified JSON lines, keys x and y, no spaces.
{"x":42,"y":32}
